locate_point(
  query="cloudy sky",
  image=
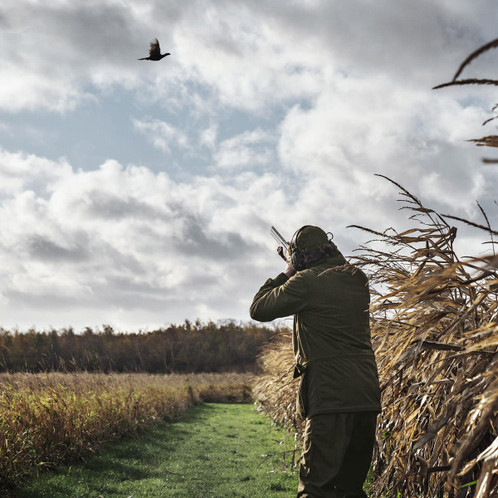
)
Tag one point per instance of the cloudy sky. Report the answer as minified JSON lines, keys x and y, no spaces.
{"x":137,"y":193}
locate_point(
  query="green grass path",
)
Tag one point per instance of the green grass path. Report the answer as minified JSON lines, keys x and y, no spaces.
{"x":216,"y":450}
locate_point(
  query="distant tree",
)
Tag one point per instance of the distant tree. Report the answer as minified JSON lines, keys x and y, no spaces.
{"x":189,"y":347}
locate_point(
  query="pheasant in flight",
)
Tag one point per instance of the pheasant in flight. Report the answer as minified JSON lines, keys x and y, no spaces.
{"x":154,"y":52}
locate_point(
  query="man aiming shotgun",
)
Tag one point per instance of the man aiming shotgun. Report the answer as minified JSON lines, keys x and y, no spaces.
{"x":339,"y":393}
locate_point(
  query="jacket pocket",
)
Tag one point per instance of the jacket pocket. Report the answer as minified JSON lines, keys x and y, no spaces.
{"x":302,"y":396}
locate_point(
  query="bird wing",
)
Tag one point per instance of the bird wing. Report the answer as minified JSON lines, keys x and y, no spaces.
{"x":154,"y":48}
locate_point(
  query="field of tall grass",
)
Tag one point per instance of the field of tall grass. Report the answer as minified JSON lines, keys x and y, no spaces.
{"x":47,"y":420}
{"x":435,"y":335}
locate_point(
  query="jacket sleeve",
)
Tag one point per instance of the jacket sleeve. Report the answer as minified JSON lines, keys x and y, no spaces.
{"x":279,"y":297}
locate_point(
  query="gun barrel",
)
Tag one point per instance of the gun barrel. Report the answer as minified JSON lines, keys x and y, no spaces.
{"x":280,"y":240}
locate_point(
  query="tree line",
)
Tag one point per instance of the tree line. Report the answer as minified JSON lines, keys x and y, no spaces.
{"x":189,"y":347}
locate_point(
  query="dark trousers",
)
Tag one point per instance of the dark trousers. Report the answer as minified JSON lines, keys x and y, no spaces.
{"x":337,"y":455}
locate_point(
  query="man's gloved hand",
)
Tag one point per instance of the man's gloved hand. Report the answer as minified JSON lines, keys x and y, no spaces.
{"x":289,"y":271}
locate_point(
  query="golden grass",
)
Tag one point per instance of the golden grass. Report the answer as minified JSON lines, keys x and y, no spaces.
{"x":435,"y":334}
{"x":50,"y":419}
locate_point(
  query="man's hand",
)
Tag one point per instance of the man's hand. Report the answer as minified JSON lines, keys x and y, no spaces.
{"x":289,"y":271}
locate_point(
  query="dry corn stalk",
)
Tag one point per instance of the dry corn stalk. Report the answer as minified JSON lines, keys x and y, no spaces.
{"x":275,"y":390}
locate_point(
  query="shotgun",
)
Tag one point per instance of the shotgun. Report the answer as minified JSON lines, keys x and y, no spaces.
{"x":281,"y":242}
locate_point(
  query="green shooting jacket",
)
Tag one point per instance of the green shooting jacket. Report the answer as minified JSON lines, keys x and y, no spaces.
{"x":331,"y":335}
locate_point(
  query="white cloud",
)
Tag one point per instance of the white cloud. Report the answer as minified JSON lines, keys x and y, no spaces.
{"x":120,"y":237}
{"x":209,"y":135}
{"x":21,"y":173}
{"x":296,"y":104}
{"x":161,"y":134}
{"x":361,"y":127}
{"x":250,"y":54}
{"x":251,"y":148}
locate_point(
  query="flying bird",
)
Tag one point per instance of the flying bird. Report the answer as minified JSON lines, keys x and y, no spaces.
{"x":154,"y":52}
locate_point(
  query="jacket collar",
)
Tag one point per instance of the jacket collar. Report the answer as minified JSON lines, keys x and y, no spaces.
{"x":335,"y":260}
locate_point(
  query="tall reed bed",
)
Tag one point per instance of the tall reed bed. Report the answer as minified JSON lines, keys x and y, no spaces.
{"x":435,"y":334}
{"x":51,"y":419}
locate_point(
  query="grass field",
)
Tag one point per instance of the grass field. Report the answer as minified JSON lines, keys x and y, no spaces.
{"x":216,"y":450}
{"x":51,"y":420}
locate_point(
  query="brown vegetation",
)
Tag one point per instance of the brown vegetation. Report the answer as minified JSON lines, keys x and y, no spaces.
{"x":435,"y":333}
{"x":51,"y":419}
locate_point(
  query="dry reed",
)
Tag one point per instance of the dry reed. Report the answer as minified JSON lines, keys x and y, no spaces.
{"x":492,"y":140}
{"x":469,"y":81}
{"x":51,"y":419}
{"x":275,"y":389}
{"x":435,"y":334}
{"x":489,"y":141}
{"x":474,"y":55}
{"x":472,"y":81}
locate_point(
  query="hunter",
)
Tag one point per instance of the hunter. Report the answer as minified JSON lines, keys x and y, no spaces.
{"x":339,"y":394}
